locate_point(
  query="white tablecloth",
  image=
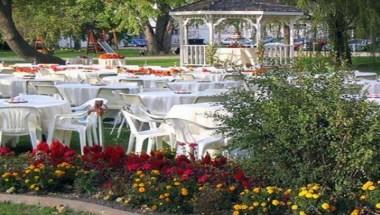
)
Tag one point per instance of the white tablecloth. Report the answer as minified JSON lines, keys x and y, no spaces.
{"x":195,"y":86}
{"x":199,"y":113}
{"x":209,"y":76}
{"x":161,"y":102}
{"x":78,"y":94}
{"x":149,"y":81}
{"x":83,"y":74}
{"x":13,"y":86}
{"x":48,"y":107}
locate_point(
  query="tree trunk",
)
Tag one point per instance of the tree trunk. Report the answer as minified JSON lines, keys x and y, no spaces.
{"x":338,"y":29}
{"x":159,"y":41}
{"x":16,"y":42}
{"x":115,"y":39}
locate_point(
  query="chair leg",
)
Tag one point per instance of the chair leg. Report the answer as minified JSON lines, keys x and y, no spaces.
{"x":172,"y":142}
{"x":50,"y":136}
{"x":139,"y":144}
{"x":33,"y":138}
{"x":95,"y":135}
{"x":120,"y":127}
{"x":131,"y":143}
{"x":150,"y":145}
{"x":1,"y":138}
{"x":117,"y":119}
{"x":82,"y":140}
{"x":100,"y":127}
{"x":89,"y":137}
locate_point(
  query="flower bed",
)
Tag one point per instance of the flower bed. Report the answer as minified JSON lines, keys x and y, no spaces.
{"x":163,"y":182}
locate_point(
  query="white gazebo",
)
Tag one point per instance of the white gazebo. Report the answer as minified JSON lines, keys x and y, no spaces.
{"x":257,"y":13}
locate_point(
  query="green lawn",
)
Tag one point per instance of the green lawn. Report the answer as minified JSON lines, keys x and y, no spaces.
{"x":70,"y":53}
{"x":20,"y":209}
{"x":24,"y":144}
{"x":366,"y":64}
{"x":154,"y":62}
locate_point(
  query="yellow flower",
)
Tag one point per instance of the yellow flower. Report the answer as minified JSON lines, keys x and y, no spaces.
{"x":294,"y":207}
{"x":59,"y":173}
{"x":263,"y":204}
{"x":326,"y":206}
{"x":139,"y":172}
{"x":141,"y":189}
{"x":371,"y":187}
{"x":137,"y":179}
{"x":27,"y":171}
{"x":141,"y":185}
{"x":237,"y":207}
{"x":15,"y":174}
{"x":251,"y":208}
{"x":363,"y":197}
{"x":37,"y":170}
{"x":177,"y":183}
{"x":367,"y":185}
{"x":161,"y":196}
{"x":256,"y":204}
{"x":303,"y":193}
{"x":219,"y":185}
{"x":275,"y":202}
{"x":166,"y":194}
{"x":256,"y":190}
{"x":355,"y":212}
{"x":244,"y":207}
{"x":302,"y":213}
{"x":235,"y":213}
{"x":377,"y":205}
{"x":7,"y":174}
{"x":184,"y":192}
{"x":232,"y":188}
{"x":135,"y":185}
{"x":168,"y":187}
{"x":315,"y":196}
{"x":309,"y":195}
{"x":36,"y":177}
{"x":156,"y":172}
{"x":270,"y":190}
{"x":27,"y":181}
{"x":315,"y":187}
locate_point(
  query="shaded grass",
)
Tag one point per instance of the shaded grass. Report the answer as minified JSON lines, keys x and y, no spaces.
{"x":25,"y":145}
{"x":21,"y":209}
{"x":366,"y":64}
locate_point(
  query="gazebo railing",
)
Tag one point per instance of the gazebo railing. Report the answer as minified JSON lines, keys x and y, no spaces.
{"x":194,"y":55}
{"x":278,"y":55}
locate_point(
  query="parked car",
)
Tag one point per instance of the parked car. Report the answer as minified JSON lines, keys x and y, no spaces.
{"x":138,"y":42}
{"x":242,"y":41}
{"x":358,"y":44}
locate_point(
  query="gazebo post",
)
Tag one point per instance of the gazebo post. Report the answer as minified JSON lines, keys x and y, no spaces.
{"x":259,"y":29}
{"x":181,"y":44}
{"x":211,"y":28}
{"x":291,"y":38}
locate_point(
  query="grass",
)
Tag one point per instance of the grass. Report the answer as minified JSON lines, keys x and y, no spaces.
{"x":154,"y":62}
{"x":21,"y":209}
{"x":24,"y":144}
{"x":366,"y":64}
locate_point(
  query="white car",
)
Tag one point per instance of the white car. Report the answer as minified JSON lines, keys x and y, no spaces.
{"x":242,"y":41}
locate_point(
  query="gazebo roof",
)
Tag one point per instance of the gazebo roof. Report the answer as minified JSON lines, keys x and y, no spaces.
{"x":233,"y":6}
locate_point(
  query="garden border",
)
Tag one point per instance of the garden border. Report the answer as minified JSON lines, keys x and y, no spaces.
{"x":78,"y":206}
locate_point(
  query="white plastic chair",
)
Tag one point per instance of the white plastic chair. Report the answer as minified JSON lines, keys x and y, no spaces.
{"x":20,"y":121}
{"x":135,"y":102}
{"x":47,"y":90}
{"x":140,"y":136}
{"x":96,"y":121}
{"x":189,"y":132}
{"x":30,"y":85}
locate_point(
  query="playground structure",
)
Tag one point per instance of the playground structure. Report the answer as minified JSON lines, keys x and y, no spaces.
{"x":98,"y":45}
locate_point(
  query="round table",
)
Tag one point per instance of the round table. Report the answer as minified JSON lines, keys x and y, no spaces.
{"x":78,"y":94}
{"x":48,"y":107}
{"x":162,"y":101}
{"x":195,"y":86}
{"x":83,"y":74}
{"x":149,"y":81}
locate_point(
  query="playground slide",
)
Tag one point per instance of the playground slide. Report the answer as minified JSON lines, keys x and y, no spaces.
{"x":106,"y":47}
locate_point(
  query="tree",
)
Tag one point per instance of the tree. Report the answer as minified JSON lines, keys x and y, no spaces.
{"x":14,"y":39}
{"x":342,"y":16}
{"x":139,"y":15}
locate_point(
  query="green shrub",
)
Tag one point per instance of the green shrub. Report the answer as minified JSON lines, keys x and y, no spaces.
{"x":304,"y":131}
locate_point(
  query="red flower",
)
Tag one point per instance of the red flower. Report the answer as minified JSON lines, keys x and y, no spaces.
{"x":42,"y":147}
{"x":203,"y":179}
{"x":5,"y":151}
